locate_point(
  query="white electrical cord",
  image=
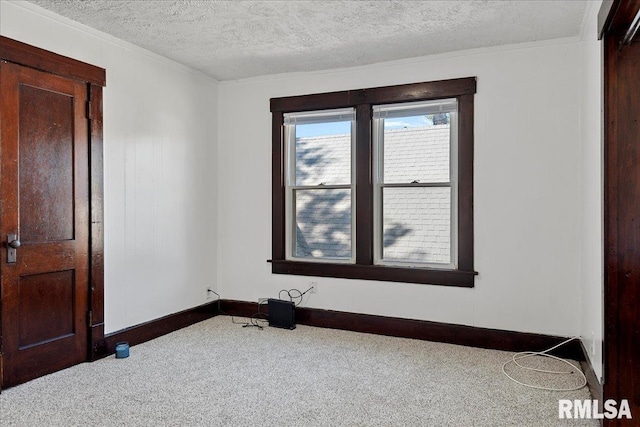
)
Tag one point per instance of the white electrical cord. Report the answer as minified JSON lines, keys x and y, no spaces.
{"x":545,"y":353}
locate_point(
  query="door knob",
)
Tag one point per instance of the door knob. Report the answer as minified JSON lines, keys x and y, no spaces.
{"x":12,"y":244}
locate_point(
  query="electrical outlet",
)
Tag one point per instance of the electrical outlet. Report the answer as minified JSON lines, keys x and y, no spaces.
{"x":210,"y":293}
{"x":262,"y":300}
{"x":314,"y":287}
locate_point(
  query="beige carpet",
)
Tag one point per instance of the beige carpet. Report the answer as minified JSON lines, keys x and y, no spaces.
{"x":216,"y":373}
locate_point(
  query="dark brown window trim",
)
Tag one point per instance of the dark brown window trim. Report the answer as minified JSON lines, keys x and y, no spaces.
{"x":362,"y":99}
{"x":380,"y":95}
{"x":375,"y":272}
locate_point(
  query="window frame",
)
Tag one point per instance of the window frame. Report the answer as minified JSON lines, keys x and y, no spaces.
{"x":463,"y":89}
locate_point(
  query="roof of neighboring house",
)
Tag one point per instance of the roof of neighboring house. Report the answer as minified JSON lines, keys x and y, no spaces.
{"x":416,"y":220}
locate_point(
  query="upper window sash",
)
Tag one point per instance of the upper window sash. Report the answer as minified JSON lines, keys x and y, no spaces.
{"x":413,"y":109}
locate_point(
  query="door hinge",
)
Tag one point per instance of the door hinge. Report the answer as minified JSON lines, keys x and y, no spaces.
{"x":90,"y":318}
{"x":88,"y":109}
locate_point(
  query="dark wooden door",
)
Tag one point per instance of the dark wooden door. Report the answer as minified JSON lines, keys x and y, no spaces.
{"x":44,"y":192}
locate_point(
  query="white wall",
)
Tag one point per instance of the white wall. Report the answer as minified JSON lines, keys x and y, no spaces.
{"x":527,"y":191}
{"x":591,"y":260}
{"x":160,"y":158}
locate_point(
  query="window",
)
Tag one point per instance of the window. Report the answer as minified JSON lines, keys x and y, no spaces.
{"x":375,"y":183}
{"x":320,"y":185}
{"x":415,"y":183}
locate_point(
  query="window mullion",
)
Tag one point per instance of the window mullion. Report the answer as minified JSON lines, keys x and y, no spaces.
{"x":364,"y":186}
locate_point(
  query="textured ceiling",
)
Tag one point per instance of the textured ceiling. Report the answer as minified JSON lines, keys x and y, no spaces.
{"x":236,"y":39}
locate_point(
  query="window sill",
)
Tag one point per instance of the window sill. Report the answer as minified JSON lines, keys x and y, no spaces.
{"x":430,"y":276}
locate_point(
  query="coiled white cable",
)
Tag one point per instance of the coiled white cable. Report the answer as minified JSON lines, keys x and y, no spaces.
{"x":545,"y":353}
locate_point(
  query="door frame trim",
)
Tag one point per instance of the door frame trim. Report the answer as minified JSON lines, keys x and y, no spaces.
{"x":620,"y":279}
{"x":95,"y":79}
{"x":43,"y":60}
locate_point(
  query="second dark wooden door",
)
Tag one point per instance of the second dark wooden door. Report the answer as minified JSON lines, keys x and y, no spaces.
{"x":44,"y":192}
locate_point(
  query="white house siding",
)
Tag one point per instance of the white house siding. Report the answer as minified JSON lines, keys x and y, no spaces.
{"x":417,"y":224}
{"x":416,"y":153}
{"x":323,"y":159}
